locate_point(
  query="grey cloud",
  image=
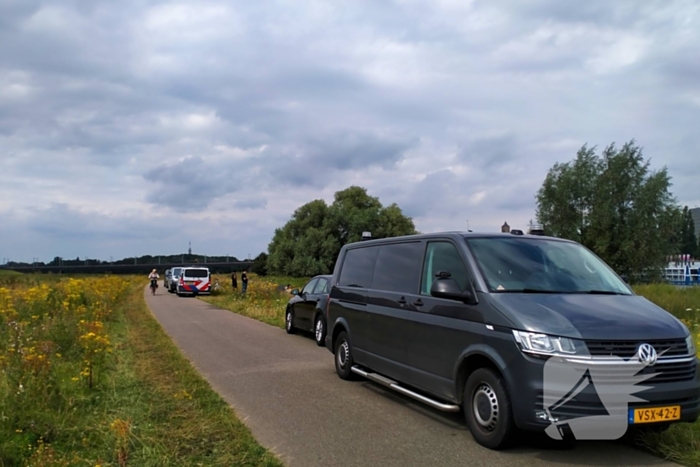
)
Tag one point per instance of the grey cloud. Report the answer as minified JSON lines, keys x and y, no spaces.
{"x":60,"y":221}
{"x":435,"y":193}
{"x":489,"y":153}
{"x":251,"y":203}
{"x":311,"y":162}
{"x":191,"y":184}
{"x":356,"y":150}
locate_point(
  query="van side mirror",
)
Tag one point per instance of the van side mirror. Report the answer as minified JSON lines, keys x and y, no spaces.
{"x":295,"y":292}
{"x":446,"y":287}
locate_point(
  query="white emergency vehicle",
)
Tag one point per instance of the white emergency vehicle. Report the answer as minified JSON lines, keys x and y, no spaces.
{"x":194,"y":281}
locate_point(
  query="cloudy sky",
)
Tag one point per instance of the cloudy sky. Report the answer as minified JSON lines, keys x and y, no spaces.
{"x":131,"y":127}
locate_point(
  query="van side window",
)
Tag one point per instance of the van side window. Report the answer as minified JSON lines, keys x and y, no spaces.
{"x":358,"y":267}
{"x":398,"y":267}
{"x":443,"y":256}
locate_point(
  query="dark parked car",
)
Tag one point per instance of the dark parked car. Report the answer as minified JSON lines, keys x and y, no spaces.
{"x":306,"y":310}
{"x":466,"y":322}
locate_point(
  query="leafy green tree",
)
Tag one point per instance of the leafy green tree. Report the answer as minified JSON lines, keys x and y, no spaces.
{"x":310,"y":241}
{"x":688,"y":241}
{"x":260,"y":265}
{"x":614,"y":205}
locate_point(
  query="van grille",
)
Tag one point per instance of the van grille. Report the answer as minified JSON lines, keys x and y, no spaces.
{"x":627,"y":349}
{"x":670,"y":372}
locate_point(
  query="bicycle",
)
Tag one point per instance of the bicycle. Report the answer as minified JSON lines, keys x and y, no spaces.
{"x":154,"y":286}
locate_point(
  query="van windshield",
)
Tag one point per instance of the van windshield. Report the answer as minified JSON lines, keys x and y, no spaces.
{"x":544,"y":266}
{"x":195,"y":273}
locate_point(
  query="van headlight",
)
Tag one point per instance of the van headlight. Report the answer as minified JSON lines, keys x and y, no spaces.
{"x":532,"y":342}
{"x":690,"y":343}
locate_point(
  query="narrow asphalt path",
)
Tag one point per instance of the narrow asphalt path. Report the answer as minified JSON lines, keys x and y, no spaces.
{"x":286,"y":391}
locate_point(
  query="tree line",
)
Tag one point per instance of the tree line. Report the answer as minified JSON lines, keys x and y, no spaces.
{"x":145,"y":259}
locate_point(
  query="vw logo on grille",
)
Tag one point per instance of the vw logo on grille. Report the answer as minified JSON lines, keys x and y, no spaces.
{"x":647,"y":354}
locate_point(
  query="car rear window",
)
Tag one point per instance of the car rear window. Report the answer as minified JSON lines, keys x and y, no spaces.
{"x":176,"y":271}
{"x":195,"y":273}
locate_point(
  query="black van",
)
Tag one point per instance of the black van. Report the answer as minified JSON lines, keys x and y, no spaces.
{"x":467,"y":321}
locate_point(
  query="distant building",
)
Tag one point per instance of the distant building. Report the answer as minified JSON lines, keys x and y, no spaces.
{"x":695,"y":212}
{"x":505,"y":228}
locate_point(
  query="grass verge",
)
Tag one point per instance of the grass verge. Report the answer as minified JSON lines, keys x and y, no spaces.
{"x":263,"y":300}
{"x":147,"y":406}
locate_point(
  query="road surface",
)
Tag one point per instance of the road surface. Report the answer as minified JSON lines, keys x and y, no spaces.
{"x":286,"y":391}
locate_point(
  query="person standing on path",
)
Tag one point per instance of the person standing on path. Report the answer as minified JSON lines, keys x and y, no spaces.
{"x":244,"y":281}
{"x":234,"y":281}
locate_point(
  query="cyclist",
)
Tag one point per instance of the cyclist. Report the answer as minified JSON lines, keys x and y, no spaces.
{"x":153,"y":276}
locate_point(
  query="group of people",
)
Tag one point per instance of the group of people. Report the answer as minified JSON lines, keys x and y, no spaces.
{"x":244,"y":281}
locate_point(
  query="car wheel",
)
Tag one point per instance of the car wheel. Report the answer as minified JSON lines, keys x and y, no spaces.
{"x":487,"y":409}
{"x":320,"y":330}
{"x":343,"y":357}
{"x":289,"y":321}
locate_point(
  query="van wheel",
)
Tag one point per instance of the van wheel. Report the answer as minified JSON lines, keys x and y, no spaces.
{"x":487,"y":409}
{"x":289,"y":322}
{"x":343,"y":358}
{"x":320,"y":330}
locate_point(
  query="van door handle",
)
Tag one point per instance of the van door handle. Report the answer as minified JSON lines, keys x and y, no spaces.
{"x":418,"y":302}
{"x":402,"y":301}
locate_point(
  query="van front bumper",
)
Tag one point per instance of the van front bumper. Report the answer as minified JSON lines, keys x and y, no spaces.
{"x":529,"y":402}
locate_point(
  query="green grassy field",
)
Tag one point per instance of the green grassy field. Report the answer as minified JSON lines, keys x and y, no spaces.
{"x":263,"y":300}
{"x":89,"y":378}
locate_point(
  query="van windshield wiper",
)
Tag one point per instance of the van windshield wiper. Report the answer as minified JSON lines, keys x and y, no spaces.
{"x":602,"y":292}
{"x":532,"y":291}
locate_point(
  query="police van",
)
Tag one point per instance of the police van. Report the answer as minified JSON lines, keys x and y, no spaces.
{"x":194,"y":281}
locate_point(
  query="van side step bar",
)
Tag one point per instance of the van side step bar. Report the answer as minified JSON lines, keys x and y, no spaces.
{"x":384,"y":381}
